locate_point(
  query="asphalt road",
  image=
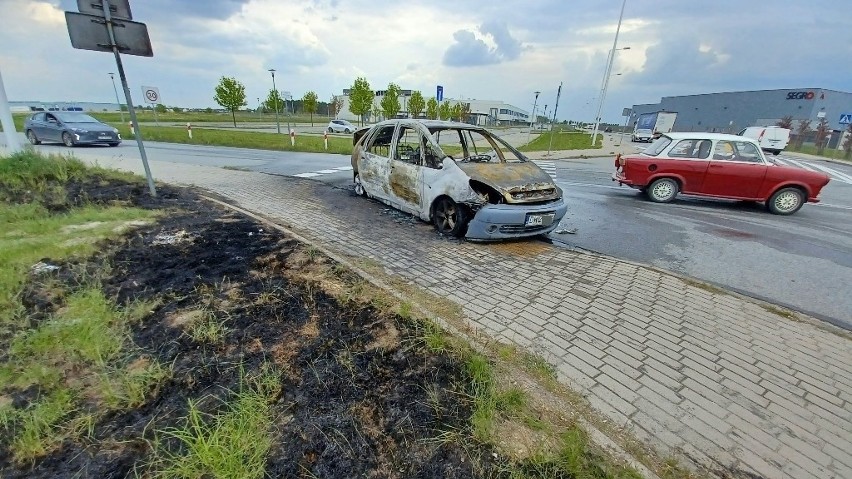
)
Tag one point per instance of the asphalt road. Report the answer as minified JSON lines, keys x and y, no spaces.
{"x":802,"y":261}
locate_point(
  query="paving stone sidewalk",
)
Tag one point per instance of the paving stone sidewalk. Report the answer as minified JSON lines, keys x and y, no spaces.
{"x":723,"y":380}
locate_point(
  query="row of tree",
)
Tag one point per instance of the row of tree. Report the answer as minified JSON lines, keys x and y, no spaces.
{"x":361,"y":103}
{"x":231,"y":95}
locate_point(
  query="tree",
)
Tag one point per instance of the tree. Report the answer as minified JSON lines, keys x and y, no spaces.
{"x":274,"y":101}
{"x":309,"y":103}
{"x":230,"y":94}
{"x":390,"y":102}
{"x":160,"y":108}
{"x":786,"y":122}
{"x":177,"y":109}
{"x":334,"y":105}
{"x":375,"y":112}
{"x":432,"y":108}
{"x":847,"y":144}
{"x":821,"y":135}
{"x":416,"y":104}
{"x":361,"y":98}
{"x":801,"y":131}
{"x":456,"y":112}
{"x":465,"y":112}
{"x":445,"y":111}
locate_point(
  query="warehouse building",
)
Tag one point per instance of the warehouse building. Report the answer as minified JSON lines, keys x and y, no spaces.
{"x":730,"y":112}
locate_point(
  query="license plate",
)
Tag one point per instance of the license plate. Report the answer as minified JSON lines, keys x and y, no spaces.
{"x":545,"y":219}
{"x":104,"y":137}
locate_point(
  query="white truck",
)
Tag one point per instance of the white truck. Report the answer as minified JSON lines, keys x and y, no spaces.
{"x":772,"y":139}
{"x":650,"y":125}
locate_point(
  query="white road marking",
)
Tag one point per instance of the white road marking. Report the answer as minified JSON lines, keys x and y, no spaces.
{"x":326,"y":172}
{"x":548,"y":166}
{"x":307,"y":175}
{"x":834,"y":173}
{"x":330,"y":171}
{"x":800,"y":164}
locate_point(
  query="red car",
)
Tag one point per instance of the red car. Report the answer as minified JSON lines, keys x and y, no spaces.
{"x":717,"y":166}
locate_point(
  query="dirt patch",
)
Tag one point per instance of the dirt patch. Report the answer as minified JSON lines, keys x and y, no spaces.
{"x":361,"y":396}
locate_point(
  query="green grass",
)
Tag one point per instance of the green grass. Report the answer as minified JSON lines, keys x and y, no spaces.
{"x":232,"y":444}
{"x":40,"y":427}
{"x":242,"y":139}
{"x":191,"y":117}
{"x":562,"y":140}
{"x":79,"y":357}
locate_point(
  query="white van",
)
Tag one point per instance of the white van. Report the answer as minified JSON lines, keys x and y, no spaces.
{"x":772,"y":139}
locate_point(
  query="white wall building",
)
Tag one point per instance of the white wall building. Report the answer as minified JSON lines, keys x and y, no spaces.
{"x":482,"y":112}
{"x":24,"y":106}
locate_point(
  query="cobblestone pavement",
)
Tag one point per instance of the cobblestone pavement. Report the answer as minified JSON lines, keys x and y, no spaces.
{"x":723,"y":380}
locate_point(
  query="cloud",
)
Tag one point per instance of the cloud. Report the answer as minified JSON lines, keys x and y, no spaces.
{"x":471,"y":50}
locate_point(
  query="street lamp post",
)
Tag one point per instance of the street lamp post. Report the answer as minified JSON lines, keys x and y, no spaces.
{"x":112,"y":77}
{"x":259,"y":110}
{"x":607,"y":72}
{"x":532,"y":117}
{"x":275,"y":89}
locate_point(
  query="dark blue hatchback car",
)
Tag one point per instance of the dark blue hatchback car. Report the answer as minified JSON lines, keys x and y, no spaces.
{"x":70,"y":128}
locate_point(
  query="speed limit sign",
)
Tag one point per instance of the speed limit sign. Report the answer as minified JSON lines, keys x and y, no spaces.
{"x":151,"y":94}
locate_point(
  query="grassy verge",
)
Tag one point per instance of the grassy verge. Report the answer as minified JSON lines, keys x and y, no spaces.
{"x":242,"y":117}
{"x":231,"y":444}
{"x":826,"y":153}
{"x":78,"y":357}
{"x":562,"y":140}
{"x":243,"y":139}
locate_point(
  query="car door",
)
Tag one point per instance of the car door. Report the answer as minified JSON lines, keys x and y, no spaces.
{"x":689,"y":160}
{"x":37,"y":125}
{"x":736,"y":170}
{"x":52,"y":128}
{"x":406,"y":170}
{"x":374,"y":162}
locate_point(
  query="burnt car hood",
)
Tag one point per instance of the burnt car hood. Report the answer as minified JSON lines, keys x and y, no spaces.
{"x":517,"y":182}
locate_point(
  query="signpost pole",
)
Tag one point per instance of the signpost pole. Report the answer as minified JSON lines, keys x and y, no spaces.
{"x":7,"y":122}
{"x":133,"y":120}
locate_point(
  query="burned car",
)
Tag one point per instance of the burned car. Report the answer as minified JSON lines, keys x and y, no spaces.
{"x":462,"y":178}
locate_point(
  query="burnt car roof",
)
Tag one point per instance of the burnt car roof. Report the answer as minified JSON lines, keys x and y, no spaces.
{"x":430,"y":124}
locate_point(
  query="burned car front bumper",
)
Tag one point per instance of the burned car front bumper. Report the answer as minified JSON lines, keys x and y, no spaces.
{"x":501,"y":221}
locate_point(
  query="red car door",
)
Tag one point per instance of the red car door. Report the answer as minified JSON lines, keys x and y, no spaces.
{"x":736,"y":170}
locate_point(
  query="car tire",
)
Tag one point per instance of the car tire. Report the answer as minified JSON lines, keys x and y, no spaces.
{"x":449,"y":217}
{"x":786,"y":201}
{"x":67,"y":140}
{"x":330,"y":130}
{"x":114,"y":144}
{"x":347,"y":131}
{"x":32,"y":138}
{"x":359,"y":187}
{"x":776,"y":152}
{"x":662,"y":190}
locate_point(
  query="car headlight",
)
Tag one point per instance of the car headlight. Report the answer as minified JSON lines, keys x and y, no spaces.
{"x":115,"y":130}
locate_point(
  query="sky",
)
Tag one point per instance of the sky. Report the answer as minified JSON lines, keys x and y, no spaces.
{"x":475,"y":49}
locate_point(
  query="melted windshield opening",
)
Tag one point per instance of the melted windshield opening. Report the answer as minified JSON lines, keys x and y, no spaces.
{"x":474,"y":146}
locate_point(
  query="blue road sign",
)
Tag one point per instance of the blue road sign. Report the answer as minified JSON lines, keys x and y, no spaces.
{"x":440,"y":94}
{"x":846,"y":118}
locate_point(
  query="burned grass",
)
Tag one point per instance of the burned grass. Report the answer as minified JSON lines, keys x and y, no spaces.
{"x":217,"y":348}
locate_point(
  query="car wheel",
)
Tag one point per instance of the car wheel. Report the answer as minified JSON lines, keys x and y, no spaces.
{"x":33,"y":139}
{"x":786,"y":201}
{"x":662,"y":190}
{"x":776,"y":152}
{"x":359,"y":187}
{"x":348,"y":130}
{"x":67,"y":140}
{"x":114,"y":144}
{"x":449,"y":218}
{"x":330,"y":130}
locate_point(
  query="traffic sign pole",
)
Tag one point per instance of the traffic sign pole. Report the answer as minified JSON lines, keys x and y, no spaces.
{"x":133,"y":120}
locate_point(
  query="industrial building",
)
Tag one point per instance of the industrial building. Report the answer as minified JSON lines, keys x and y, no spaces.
{"x":482,"y":112}
{"x":26,"y":106}
{"x":730,"y":112}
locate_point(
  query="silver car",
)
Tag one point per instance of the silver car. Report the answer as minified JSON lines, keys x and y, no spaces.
{"x":70,"y":128}
{"x":340,"y":126}
{"x":463,"y":179}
